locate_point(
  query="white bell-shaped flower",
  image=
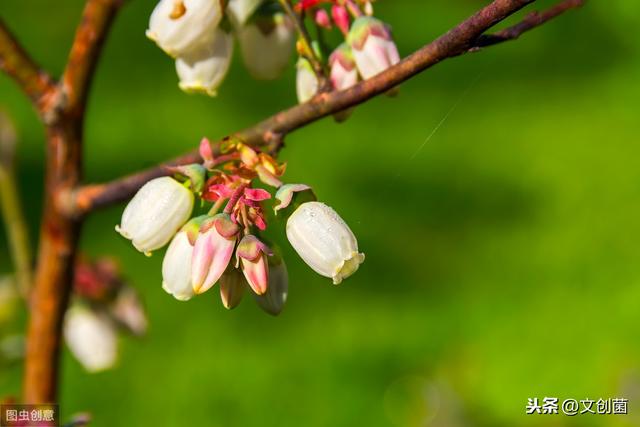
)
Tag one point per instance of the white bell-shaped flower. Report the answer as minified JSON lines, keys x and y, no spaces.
{"x":307,"y":84}
{"x":156,"y":213}
{"x":344,"y":72}
{"x":239,"y":11}
{"x":267,"y":44}
{"x":178,"y":26}
{"x":91,"y":337}
{"x":203,"y":69}
{"x":324,"y":241}
{"x":373,"y":47}
{"x":176,"y":268}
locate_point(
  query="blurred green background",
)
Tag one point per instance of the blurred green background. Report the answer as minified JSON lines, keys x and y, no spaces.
{"x":502,"y":254}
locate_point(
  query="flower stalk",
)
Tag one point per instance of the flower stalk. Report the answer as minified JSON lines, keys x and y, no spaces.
{"x":305,"y":46}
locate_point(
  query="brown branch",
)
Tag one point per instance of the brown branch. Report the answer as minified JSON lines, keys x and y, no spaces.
{"x":93,"y":28}
{"x":15,"y":61}
{"x":59,"y":232}
{"x":466,"y":37}
{"x":534,"y":19}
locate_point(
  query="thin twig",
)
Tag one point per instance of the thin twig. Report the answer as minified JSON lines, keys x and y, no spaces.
{"x":16,"y":227}
{"x":12,"y":212}
{"x":85,"y":52}
{"x":15,"y":61}
{"x":466,"y":37}
{"x":532,"y":20}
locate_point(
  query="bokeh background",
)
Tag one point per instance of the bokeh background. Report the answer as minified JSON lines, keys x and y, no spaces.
{"x":503,"y":258}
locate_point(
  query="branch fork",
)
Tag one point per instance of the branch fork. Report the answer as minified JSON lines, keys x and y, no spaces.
{"x":61,"y":107}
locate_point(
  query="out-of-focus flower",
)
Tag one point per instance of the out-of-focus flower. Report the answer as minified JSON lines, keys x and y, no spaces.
{"x":212,"y":251}
{"x":306,"y":81}
{"x":128,"y":311}
{"x":373,"y":47}
{"x":274,"y":299}
{"x":368,"y":8}
{"x":155,"y":213}
{"x":340,"y":17}
{"x":91,"y":337}
{"x":97,"y":280}
{"x":203,"y":69}
{"x":239,"y":11}
{"x":232,"y":286}
{"x":322,"y":19}
{"x":100,"y":284}
{"x":266,"y":43}
{"x":344,"y":72}
{"x":324,"y":241}
{"x":179,"y":26}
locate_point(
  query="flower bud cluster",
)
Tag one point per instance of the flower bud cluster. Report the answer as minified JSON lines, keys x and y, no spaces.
{"x":223,"y":244}
{"x":368,"y":49}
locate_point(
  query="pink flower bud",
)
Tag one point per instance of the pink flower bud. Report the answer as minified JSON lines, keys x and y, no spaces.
{"x":206,"y":152}
{"x":373,"y":47}
{"x":344,"y":73}
{"x":253,"y":255}
{"x":276,"y":296}
{"x":322,"y":19}
{"x":340,"y":17}
{"x":212,"y":252}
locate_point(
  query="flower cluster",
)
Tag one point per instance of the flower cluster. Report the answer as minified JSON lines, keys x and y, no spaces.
{"x":103,"y":305}
{"x":368,"y":48}
{"x":201,"y":251}
{"x":198,"y":33}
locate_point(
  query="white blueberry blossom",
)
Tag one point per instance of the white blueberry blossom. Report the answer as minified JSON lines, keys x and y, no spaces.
{"x":203,"y":69}
{"x":91,"y":337}
{"x":267,"y":43}
{"x":155,"y":213}
{"x":373,"y":47}
{"x":324,"y":241}
{"x":178,"y":26}
{"x":306,"y":81}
